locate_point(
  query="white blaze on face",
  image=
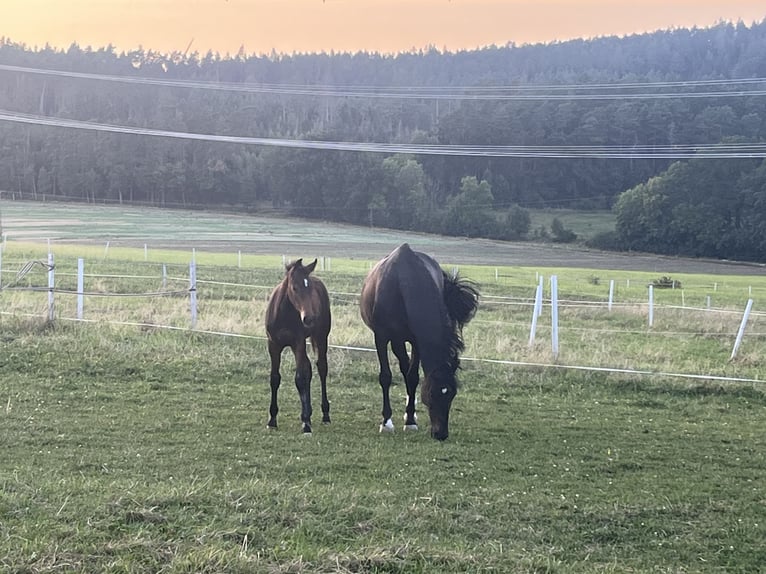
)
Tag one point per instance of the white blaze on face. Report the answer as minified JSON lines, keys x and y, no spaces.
{"x":306,"y":282}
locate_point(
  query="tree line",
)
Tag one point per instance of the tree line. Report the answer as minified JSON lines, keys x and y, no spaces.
{"x":661,"y":205}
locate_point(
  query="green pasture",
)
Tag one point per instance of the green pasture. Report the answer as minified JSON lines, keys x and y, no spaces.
{"x":117,"y":225}
{"x":694,"y":326}
{"x":585,"y":224}
{"x":133,"y":443}
{"x":144,"y":450}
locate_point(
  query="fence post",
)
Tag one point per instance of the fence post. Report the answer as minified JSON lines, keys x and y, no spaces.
{"x":555,"y":316}
{"x":540,"y":284}
{"x":80,"y":286}
{"x":611,"y":293}
{"x":741,"y":332}
{"x":106,"y":250}
{"x":164,"y":277}
{"x":51,"y":284}
{"x":193,"y":293}
{"x":536,"y":313}
{"x":1,"y":268}
{"x":651,"y":306}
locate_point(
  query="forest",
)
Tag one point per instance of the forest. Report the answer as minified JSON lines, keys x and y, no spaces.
{"x":666,"y":129}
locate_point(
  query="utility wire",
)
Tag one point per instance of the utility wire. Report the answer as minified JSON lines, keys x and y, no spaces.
{"x":682,"y":151}
{"x":527,"y":92}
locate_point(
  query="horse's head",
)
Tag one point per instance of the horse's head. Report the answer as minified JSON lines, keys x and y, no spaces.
{"x":300,"y":292}
{"x":438,"y":390}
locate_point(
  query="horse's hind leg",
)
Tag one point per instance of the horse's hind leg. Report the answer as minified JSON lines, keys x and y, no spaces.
{"x":303,"y":384}
{"x":321,"y":346}
{"x":381,"y":345}
{"x":409,"y":367}
{"x":275,"y":352}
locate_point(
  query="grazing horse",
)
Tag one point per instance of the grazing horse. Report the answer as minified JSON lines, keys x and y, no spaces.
{"x":299,"y":308}
{"x":408,"y":298}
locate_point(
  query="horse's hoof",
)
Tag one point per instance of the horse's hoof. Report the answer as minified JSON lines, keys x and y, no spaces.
{"x":326,"y":420}
{"x":271,"y":426}
{"x":387,"y":427}
{"x":306,"y":429}
{"x":410,"y":427}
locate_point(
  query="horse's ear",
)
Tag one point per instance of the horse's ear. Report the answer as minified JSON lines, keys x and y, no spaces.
{"x":298,"y":263}
{"x":311,"y":266}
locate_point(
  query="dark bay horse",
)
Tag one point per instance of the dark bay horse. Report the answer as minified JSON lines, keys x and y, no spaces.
{"x":408,"y":298}
{"x":299,"y":308}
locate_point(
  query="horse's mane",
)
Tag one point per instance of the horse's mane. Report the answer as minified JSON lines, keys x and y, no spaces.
{"x":461,"y":297}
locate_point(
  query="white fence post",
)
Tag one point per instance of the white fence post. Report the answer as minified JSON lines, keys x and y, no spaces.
{"x":651,"y":306}
{"x":708,"y":302}
{"x":106,"y":250}
{"x":193,"y":293}
{"x":51,"y":284}
{"x":555,"y":316}
{"x":164,"y":277}
{"x":80,"y":286}
{"x":540,"y":285}
{"x":146,"y":252}
{"x":611,"y":293}
{"x":536,"y":313}
{"x":741,"y":332}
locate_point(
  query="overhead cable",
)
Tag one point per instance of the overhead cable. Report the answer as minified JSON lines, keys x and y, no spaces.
{"x":735,"y":87}
{"x":682,"y":151}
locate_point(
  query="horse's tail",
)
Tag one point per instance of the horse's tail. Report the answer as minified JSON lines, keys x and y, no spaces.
{"x":461,"y":296}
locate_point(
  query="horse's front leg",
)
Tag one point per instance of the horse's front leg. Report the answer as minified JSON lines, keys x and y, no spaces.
{"x":409,"y":367}
{"x":303,"y":383}
{"x":275,"y":352}
{"x":320,"y":344}
{"x":381,"y":345}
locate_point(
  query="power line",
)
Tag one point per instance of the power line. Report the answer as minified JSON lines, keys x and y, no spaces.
{"x":527,"y":92}
{"x":681,"y":151}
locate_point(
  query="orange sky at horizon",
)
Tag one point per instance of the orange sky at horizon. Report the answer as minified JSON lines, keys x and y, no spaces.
{"x":385,"y":26}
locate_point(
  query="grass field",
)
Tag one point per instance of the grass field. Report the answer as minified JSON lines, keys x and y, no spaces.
{"x":137,"y":448}
{"x":116,"y":227}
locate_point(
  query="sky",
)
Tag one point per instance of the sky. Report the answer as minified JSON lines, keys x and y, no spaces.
{"x":384,"y":26}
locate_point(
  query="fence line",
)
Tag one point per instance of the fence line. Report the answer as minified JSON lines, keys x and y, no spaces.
{"x":486,"y":299}
{"x":192,"y":293}
{"x":611,"y":370}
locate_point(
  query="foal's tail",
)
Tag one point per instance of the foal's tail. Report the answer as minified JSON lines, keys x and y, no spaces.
{"x":461,"y":296}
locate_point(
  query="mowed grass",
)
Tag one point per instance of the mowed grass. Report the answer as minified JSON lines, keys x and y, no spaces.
{"x":133,"y":448}
{"x":146,"y":451}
